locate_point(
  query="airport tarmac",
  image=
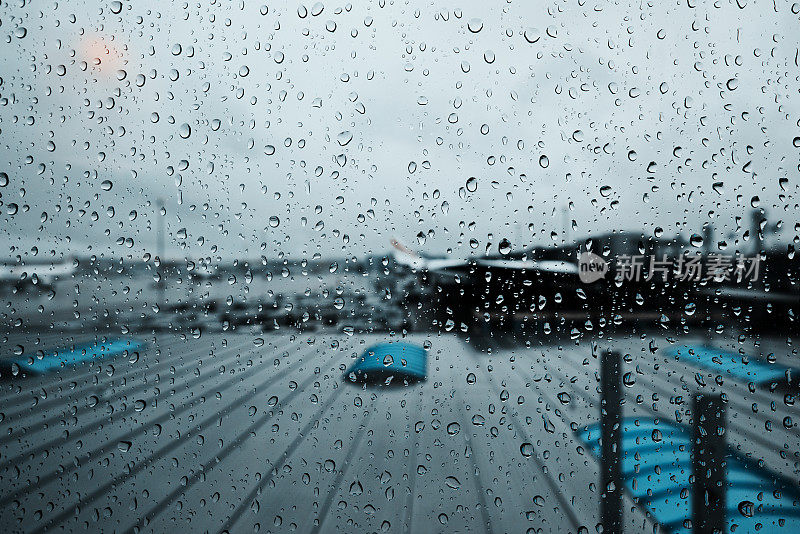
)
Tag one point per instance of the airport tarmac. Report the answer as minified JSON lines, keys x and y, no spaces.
{"x":243,"y":433}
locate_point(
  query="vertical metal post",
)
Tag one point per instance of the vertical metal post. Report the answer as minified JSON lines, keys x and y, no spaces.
{"x":160,"y":250}
{"x":708,"y":464}
{"x":611,"y":442}
{"x":756,"y":216}
{"x":708,"y":238}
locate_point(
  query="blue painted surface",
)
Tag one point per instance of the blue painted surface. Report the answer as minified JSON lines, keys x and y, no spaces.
{"x":656,"y":466}
{"x":65,"y":357}
{"x":401,"y":359}
{"x":733,"y":364}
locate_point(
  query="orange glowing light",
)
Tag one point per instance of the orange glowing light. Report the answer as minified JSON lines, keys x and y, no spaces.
{"x":102,"y":54}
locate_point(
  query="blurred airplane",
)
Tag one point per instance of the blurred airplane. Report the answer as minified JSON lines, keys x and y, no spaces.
{"x":41,"y":274}
{"x":490,"y":286}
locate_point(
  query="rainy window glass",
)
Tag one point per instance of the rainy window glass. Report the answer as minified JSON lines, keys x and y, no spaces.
{"x":399,"y":266}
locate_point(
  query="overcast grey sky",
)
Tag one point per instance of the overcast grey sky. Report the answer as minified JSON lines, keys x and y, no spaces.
{"x":348,"y":124}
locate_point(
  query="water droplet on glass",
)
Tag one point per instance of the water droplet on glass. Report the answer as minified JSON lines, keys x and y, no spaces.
{"x":475,"y":25}
{"x":532,"y":35}
{"x":746,"y":508}
{"x":344,"y":137}
{"x":452,"y":482}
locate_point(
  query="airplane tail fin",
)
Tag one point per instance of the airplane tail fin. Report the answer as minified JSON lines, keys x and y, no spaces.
{"x":406,"y":256}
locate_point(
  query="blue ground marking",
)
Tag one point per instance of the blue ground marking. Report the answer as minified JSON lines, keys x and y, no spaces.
{"x":64,"y":357}
{"x":729,"y":363}
{"x":404,"y":359}
{"x":656,"y":466}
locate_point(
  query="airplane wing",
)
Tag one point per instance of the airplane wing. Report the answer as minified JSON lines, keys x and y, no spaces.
{"x":406,"y":256}
{"x":552,"y":266}
{"x":436,"y":264}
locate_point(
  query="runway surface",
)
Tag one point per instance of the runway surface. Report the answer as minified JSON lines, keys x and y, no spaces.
{"x":244,"y":433}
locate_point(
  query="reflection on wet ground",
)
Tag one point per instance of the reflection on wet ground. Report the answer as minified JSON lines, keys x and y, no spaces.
{"x":259,"y":429}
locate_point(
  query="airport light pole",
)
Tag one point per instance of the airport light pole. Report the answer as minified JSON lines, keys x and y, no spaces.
{"x":160,"y":251}
{"x":611,"y":442}
{"x":756,"y":216}
{"x":708,"y":464}
{"x":708,"y":237}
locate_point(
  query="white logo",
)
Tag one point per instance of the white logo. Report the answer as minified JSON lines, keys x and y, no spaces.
{"x":591,"y":267}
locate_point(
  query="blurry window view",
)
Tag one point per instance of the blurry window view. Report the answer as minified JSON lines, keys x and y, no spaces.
{"x":399,"y":266}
